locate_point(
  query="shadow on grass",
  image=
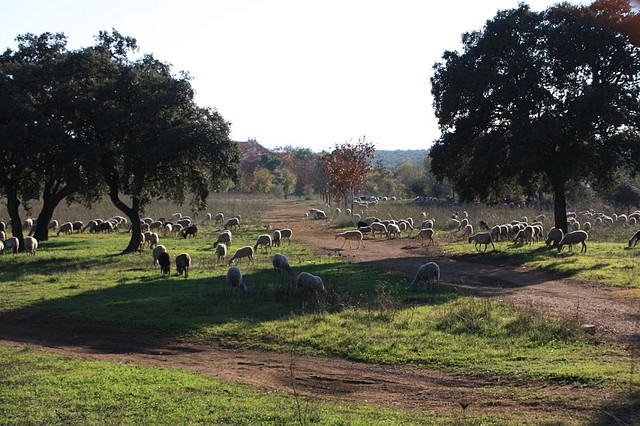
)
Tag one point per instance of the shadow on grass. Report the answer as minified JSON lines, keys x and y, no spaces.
{"x":624,"y":410}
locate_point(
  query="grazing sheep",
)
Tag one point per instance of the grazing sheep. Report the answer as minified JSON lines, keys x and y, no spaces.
{"x":218,"y":218}
{"x":351,"y":236}
{"x":317,"y":214}
{"x":167,"y":228}
{"x":554,"y":236}
{"x":156,"y":225}
{"x":153,"y":239}
{"x":482,"y":238}
{"x":3,"y":236}
{"x":263,"y":241}
{"x":1,"y":244}
{"x":634,"y":240}
{"x":225,"y":238}
{"x":234,"y":278}
{"x":207,"y":218}
{"x":221,"y":252}
{"x":184,"y":221}
{"x":483,"y":225}
{"x":12,"y":243}
{"x":246,"y":251}
{"x":190,"y":230}
{"x":183,"y":262}
{"x":53,"y":225}
{"x":425,"y":234}
{"x":164,"y":260}
{"x":65,"y":228}
{"x":393,"y":229}
{"x":586,"y":226}
{"x":524,"y":235}
{"x":30,"y":245}
{"x":427,"y":273}
{"x":572,"y":238}
{"x":378,"y":227}
{"x":234,"y":222}
{"x":277,"y":237}
{"x":155,"y":253}
{"x":306,"y":282}
{"x":286,"y":234}
{"x":77,"y":225}
{"x":281,"y":264}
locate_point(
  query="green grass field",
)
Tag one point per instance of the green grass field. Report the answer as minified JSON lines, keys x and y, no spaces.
{"x":367,"y":316}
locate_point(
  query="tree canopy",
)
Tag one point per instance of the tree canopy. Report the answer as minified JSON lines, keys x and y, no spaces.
{"x":537,"y":98}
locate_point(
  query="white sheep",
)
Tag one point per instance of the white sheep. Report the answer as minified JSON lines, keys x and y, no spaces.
{"x":207,"y":218}
{"x":276,"y":238}
{"x":482,"y":238}
{"x":263,"y":241}
{"x":225,"y":238}
{"x":234,"y":222}
{"x":30,"y":245}
{"x":246,"y":251}
{"x":1,"y":244}
{"x":379,"y":228}
{"x":153,"y":239}
{"x":317,"y":214}
{"x":634,"y":240}
{"x":572,"y":238}
{"x":306,"y":282}
{"x":221,"y":252}
{"x":53,"y":225}
{"x":65,"y":228}
{"x":218,"y":217}
{"x":281,"y":264}
{"x":393,"y":229}
{"x":554,"y":236}
{"x":234,"y":278}
{"x":155,"y":253}
{"x":183,"y":262}
{"x":12,"y":243}
{"x":427,"y":273}
{"x":351,"y":236}
{"x":525,"y":235}
{"x":467,"y":231}
{"x":286,"y":234}
{"x":425,"y":234}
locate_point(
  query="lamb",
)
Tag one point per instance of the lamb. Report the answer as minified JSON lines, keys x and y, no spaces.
{"x":482,"y":238}
{"x":223,"y":237}
{"x":263,"y":241}
{"x":234,"y":278}
{"x":12,"y":243}
{"x":190,"y":230}
{"x":427,"y":273}
{"x":281,"y":264}
{"x":221,"y":252}
{"x":351,"y":236}
{"x":306,"y":282}
{"x":425,"y":234}
{"x":634,"y":240}
{"x":65,"y":228}
{"x":246,"y":251}
{"x":164,"y":260}
{"x":155,"y":253}
{"x":234,"y":222}
{"x":183,"y":262}
{"x":572,"y":238}
{"x":30,"y":245}
{"x":554,"y":236}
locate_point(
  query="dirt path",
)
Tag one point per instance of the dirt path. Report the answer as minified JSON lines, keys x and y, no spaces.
{"x":342,"y":380}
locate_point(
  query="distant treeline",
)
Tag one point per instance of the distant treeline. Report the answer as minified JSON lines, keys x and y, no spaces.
{"x":390,"y":159}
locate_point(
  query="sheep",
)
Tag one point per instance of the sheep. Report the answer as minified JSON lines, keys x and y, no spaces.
{"x":317,"y":214}
{"x":378,"y":227}
{"x":207,"y":218}
{"x":554,"y":236}
{"x":634,"y":240}
{"x":427,"y":273}
{"x":184,"y":221}
{"x":393,"y":229}
{"x":277,"y":237}
{"x":183,"y":262}
{"x":218,"y":218}
{"x":176,"y":229}
{"x":234,"y":222}
{"x":286,"y":234}
{"x":572,"y":238}
{"x":425,"y":234}
{"x":1,"y":244}
{"x":467,"y":231}
{"x":77,"y":225}
{"x":351,"y":236}
{"x":156,"y":252}
{"x":65,"y":228}
{"x":164,"y":260}
{"x":168,"y":228}
{"x":234,"y":278}
{"x":142,"y":242}
{"x":405,"y":225}
{"x":27,"y":224}
{"x":586,"y":226}
{"x":3,"y":236}
{"x":12,"y":243}
{"x":525,"y":235}
{"x":221,"y":252}
{"x":246,"y":251}
{"x":483,"y":225}
{"x":153,"y":239}
{"x":263,"y":241}
{"x":190,"y":230}
{"x":306,"y":282}
{"x":482,"y":238}
{"x":30,"y":245}
{"x":53,"y":225}
{"x":281,"y":264}
{"x":225,"y":238}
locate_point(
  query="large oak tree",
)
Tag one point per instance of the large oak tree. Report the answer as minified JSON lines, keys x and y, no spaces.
{"x":549,"y":97}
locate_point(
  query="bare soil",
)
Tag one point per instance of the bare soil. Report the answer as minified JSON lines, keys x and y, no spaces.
{"x":402,"y":387}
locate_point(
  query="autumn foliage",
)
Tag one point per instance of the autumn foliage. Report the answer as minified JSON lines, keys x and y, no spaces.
{"x":347,"y":166}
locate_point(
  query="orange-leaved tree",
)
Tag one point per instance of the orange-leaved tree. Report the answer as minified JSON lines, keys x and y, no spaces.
{"x":347,"y":166}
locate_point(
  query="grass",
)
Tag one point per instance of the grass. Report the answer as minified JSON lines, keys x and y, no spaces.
{"x":368,"y":316}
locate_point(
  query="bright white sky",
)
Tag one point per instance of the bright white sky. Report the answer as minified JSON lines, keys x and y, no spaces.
{"x":287,"y":72}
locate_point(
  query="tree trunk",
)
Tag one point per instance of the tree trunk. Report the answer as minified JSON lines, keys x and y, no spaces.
{"x":16,"y":223}
{"x":50,"y":201}
{"x":134,"y":217}
{"x":560,"y":208}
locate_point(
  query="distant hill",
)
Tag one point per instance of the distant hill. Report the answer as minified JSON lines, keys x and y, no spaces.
{"x":390,"y":159}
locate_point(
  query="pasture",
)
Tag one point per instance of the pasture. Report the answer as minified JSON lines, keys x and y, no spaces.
{"x":546,"y":366}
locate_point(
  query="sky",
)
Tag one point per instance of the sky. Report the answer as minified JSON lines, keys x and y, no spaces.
{"x":309,"y":74}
